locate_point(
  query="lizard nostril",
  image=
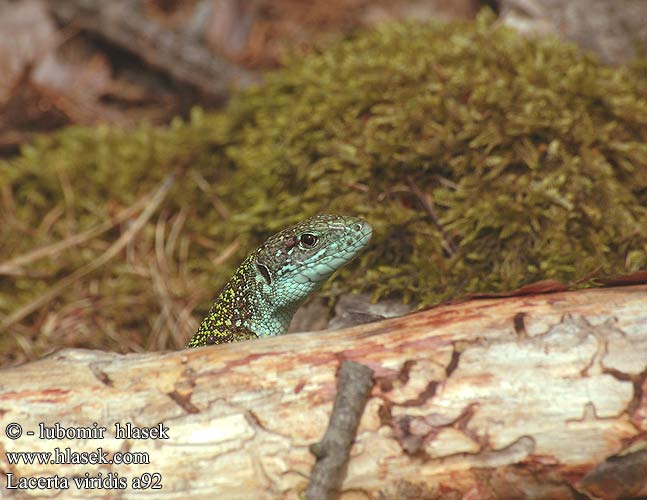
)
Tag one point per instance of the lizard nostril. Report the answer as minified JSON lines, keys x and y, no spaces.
{"x":357,"y":227}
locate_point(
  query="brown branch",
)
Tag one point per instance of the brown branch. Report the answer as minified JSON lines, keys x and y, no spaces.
{"x":121,"y":23}
{"x":355,"y":382}
{"x":429,"y":208}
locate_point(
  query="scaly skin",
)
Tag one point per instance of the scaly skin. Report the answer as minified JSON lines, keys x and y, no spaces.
{"x":271,"y":283}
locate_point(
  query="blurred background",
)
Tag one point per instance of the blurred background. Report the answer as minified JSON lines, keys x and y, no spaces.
{"x":147,"y":146}
{"x":86,"y":61}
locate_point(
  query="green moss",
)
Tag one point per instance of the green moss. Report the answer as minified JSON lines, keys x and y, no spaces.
{"x":534,"y":154}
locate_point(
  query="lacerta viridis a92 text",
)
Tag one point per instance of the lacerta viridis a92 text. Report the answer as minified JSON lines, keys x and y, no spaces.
{"x":274,"y":280}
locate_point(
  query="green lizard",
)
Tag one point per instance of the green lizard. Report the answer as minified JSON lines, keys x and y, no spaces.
{"x":274,"y":280}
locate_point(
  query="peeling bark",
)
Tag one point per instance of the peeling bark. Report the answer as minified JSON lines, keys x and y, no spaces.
{"x":536,"y":396}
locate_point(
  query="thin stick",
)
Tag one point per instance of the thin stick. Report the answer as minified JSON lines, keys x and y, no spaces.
{"x":9,"y":266}
{"x":447,"y":241}
{"x":152,"y":204}
{"x":353,"y":387}
{"x":122,"y":24}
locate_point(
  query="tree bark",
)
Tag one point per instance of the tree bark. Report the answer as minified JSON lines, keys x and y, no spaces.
{"x":541,"y":396}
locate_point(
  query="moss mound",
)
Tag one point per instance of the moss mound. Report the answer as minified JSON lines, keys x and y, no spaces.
{"x":532,"y":155}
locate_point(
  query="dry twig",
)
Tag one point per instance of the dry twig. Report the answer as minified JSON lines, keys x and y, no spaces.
{"x":429,"y":208}
{"x":353,"y":387}
{"x":122,"y":24}
{"x":152,"y":204}
{"x":13,"y":266}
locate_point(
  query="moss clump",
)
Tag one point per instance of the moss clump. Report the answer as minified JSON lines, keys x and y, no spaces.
{"x":533,"y":154}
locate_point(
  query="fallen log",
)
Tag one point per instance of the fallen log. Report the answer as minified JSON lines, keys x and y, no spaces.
{"x":541,"y":396}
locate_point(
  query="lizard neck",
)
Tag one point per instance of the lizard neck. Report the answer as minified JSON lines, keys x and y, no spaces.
{"x":247,"y":307}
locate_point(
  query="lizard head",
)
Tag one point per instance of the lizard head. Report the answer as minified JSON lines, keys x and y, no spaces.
{"x":300,"y":259}
{"x":275,"y":279}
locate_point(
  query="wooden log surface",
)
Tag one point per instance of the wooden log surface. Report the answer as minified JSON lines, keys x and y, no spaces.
{"x":541,"y":396}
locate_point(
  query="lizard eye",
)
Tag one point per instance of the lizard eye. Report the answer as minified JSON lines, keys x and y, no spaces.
{"x":308,"y":240}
